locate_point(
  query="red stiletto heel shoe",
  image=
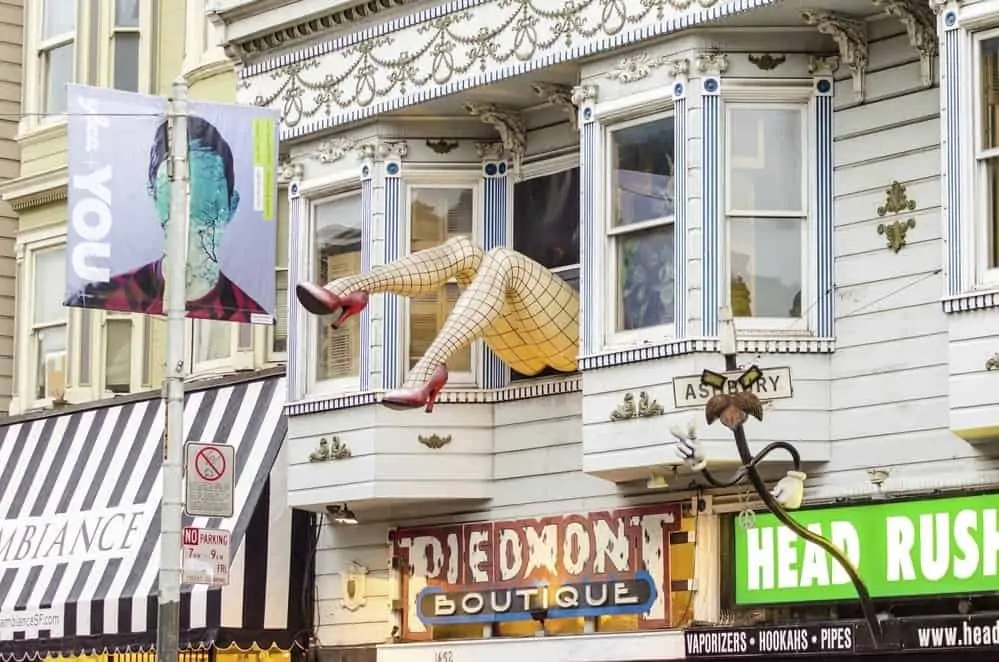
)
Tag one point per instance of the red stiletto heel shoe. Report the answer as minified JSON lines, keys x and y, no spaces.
{"x":425,"y":396}
{"x":320,"y":301}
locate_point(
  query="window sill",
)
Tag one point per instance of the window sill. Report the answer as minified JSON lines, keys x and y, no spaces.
{"x":761,"y":343}
{"x":971,"y":301}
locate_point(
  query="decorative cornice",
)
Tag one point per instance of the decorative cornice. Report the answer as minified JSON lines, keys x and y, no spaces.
{"x":558,"y":95}
{"x":714,"y":64}
{"x":334,"y":149}
{"x":823,"y":65}
{"x":37,"y":189}
{"x":850,"y":36}
{"x":207,"y":70}
{"x":309,"y":30}
{"x":920,"y":23}
{"x":636,"y":67}
{"x":510,"y":127}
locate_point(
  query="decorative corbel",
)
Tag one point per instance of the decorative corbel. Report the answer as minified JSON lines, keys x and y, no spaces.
{"x":635,"y":67}
{"x":366,"y":151}
{"x":937,"y":6}
{"x":713,"y":63}
{"x":582,"y":94}
{"x":510,"y":127}
{"x":389,"y":149}
{"x":850,"y":36}
{"x":434,"y":441}
{"x":823,"y":65}
{"x":289,"y":169}
{"x":334,"y":149}
{"x":490,"y":151}
{"x":921,"y":24}
{"x":330,"y":449}
{"x":558,"y":95}
{"x":647,"y":406}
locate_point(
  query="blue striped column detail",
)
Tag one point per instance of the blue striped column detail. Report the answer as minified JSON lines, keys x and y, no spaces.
{"x":496,"y":187}
{"x":950,"y":68}
{"x":367,"y":224}
{"x":825,"y":312}
{"x":589,"y":234}
{"x":295,"y":383}
{"x":680,"y":208}
{"x":392,"y":325}
{"x":710,"y":199}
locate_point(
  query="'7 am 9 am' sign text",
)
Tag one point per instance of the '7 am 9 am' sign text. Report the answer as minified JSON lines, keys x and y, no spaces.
{"x":902,"y":549}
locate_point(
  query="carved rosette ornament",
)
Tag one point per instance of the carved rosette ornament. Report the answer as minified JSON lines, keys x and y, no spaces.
{"x":636,"y":67}
{"x":921,"y":25}
{"x":558,"y":95}
{"x":850,"y":36}
{"x":510,"y":127}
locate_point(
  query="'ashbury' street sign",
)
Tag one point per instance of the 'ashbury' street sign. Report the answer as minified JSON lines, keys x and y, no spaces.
{"x":690,"y":391}
{"x":901,"y":549}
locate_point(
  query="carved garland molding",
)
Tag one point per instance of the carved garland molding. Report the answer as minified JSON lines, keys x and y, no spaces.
{"x":850,"y":36}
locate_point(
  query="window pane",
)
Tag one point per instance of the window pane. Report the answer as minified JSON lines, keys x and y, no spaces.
{"x":58,"y":18}
{"x":765,"y":159}
{"x":126,"y":13}
{"x":58,"y":64}
{"x":990,"y":92}
{"x":280,"y":328}
{"x":244,"y":339}
{"x":214,"y":341}
{"x":546,"y":218}
{"x":436,"y":215}
{"x":118,"y":356}
{"x":50,"y":377}
{"x":338,"y":254}
{"x":765,"y":267}
{"x":49,"y":283}
{"x":991,"y":175}
{"x":126,"y":62}
{"x":84,"y":376}
{"x":645,"y":278}
{"x":642,"y":163}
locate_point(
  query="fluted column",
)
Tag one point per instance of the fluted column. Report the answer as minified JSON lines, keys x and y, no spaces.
{"x":496,"y":225}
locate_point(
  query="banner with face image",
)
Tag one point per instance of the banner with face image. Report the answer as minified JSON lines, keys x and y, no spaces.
{"x":119,"y":206}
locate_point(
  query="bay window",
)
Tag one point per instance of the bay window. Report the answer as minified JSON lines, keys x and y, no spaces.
{"x":125,"y":46}
{"x":48,"y":323}
{"x":640,"y":218}
{"x":437,"y":214}
{"x":56,"y":52}
{"x":766,"y":212}
{"x":336,"y":252}
{"x":546,"y":221}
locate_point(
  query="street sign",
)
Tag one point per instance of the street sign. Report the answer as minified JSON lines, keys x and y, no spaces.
{"x":206,"y":556}
{"x":209,"y":474}
{"x":689,"y":391}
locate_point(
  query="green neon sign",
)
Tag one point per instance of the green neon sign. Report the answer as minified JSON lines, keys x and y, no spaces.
{"x":902,"y":549}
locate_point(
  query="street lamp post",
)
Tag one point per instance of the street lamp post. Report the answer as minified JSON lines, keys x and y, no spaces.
{"x":732,"y":411}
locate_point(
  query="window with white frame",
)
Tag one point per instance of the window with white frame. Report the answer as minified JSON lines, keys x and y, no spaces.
{"x":125,"y":45}
{"x":48,"y":340}
{"x":336,"y":253}
{"x":56,"y":51}
{"x":277,"y":343}
{"x":218,"y":345}
{"x":766,"y":212}
{"x":438,"y":213}
{"x":640,"y":214}
{"x":546,"y":221}
{"x":987,"y":158}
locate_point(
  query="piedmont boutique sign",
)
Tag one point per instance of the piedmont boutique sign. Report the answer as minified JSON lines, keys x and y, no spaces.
{"x":901,"y":549}
{"x":579,"y":565}
{"x":92,"y":534}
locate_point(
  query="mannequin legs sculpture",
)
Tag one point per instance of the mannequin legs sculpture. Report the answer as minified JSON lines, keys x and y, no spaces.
{"x":525,"y":313}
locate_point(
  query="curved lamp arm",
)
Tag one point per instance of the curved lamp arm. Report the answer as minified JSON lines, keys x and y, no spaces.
{"x":740,"y":473}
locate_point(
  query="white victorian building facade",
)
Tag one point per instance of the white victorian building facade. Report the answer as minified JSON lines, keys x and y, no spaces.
{"x":823,"y":169}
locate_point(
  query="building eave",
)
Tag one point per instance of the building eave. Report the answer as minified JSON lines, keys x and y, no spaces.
{"x":37,"y":189}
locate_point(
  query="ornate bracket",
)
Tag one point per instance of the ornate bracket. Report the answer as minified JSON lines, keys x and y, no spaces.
{"x":819,"y":65}
{"x":921,"y":24}
{"x":510,"y":127}
{"x":442,"y":146}
{"x":393,"y":149}
{"x":712,"y":63}
{"x":490,"y":151}
{"x":558,"y":95}
{"x":645,"y":408}
{"x":289,"y":170}
{"x":329,"y":449}
{"x":434,"y":441}
{"x":583,"y":93}
{"x":766,"y":61}
{"x":850,"y":36}
{"x":334,"y":149}
{"x":635,"y":67}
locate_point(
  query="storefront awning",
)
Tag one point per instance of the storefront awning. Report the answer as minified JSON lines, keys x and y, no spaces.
{"x":79,"y":537}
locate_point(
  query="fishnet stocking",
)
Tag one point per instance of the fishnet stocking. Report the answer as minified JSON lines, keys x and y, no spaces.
{"x":525,"y":313}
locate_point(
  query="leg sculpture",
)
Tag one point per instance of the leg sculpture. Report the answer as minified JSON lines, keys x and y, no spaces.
{"x":525,"y":313}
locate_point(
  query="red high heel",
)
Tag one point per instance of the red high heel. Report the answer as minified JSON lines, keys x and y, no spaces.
{"x":425,"y":396}
{"x":320,"y":301}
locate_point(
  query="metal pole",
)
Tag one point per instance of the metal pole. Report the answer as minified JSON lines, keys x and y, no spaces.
{"x":172,"y":506}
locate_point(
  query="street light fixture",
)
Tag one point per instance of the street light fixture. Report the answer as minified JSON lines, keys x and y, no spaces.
{"x":733,"y":409}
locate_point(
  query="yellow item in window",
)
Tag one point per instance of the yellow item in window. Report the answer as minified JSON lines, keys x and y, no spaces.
{"x":741,"y":299}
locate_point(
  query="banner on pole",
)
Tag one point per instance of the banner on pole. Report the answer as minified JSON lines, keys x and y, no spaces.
{"x":119,"y":201}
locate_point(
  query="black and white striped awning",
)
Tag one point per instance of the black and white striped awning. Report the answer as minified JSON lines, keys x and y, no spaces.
{"x":79,"y":537}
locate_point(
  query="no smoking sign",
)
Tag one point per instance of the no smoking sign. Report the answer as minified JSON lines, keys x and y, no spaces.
{"x":210,"y":479}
